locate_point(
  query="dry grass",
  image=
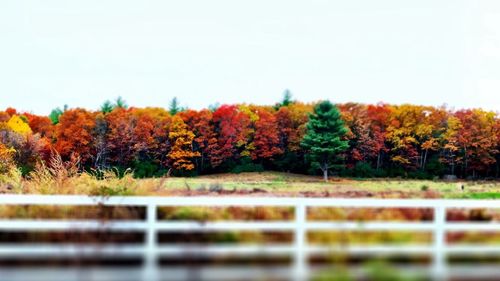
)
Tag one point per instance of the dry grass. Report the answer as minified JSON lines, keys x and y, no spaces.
{"x":59,"y":177}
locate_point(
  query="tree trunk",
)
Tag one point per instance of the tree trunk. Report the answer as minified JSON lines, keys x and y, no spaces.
{"x":325,"y":174}
{"x":378,"y":160}
{"x":425,"y":159}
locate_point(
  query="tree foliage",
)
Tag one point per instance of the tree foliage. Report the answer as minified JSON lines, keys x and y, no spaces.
{"x":324,"y":140}
{"x":181,"y":154}
{"x":361,"y":139}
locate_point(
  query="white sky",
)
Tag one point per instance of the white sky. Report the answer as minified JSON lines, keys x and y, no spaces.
{"x":80,"y":53}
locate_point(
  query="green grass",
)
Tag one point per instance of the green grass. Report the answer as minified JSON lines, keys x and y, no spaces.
{"x":483,"y":195}
{"x":283,"y":184}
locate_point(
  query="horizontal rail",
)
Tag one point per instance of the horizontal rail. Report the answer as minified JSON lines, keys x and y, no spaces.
{"x":182,"y":250}
{"x":119,"y":225}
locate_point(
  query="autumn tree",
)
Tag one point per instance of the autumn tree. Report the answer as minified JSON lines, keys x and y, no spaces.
{"x":361,"y":146}
{"x":74,"y":135}
{"x":266,"y":140}
{"x":476,"y":139}
{"x":378,"y":115}
{"x":181,"y":154}
{"x":201,"y":124}
{"x":325,"y":135}
{"x":41,"y":125}
{"x":402,"y":135}
{"x":151,"y":130}
{"x":231,"y":127}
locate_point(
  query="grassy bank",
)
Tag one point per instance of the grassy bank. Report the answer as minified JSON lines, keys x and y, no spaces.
{"x":66,"y":181}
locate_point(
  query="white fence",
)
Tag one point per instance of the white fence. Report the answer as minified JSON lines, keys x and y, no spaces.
{"x":300,"y":250}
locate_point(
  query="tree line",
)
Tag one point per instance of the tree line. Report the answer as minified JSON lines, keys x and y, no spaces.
{"x":350,"y":139}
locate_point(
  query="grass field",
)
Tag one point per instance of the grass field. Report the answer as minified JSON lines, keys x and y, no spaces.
{"x":247,"y":184}
{"x":283,"y":184}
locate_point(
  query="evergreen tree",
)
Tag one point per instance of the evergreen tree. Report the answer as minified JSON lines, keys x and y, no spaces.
{"x":287,"y":98}
{"x":174,"y":107}
{"x":107,"y":107}
{"x":120,"y":103}
{"x":324,"y":138}
{"x":56,"y":113}
{"x":286,"y":101}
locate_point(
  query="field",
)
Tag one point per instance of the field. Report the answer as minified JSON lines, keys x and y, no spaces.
{"x":245,"y":184}
{"x":283,"y":184}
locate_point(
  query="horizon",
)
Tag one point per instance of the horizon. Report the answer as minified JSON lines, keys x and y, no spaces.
{"x":129,"y":105}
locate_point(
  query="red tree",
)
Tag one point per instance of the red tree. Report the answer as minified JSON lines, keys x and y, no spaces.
{"x":266,"y":138}
{"x":74,"y":134}
{"x":231,"y":128}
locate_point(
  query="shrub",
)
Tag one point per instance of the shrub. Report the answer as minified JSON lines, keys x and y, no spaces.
{"x":148,"y":169}
{"x":421,"y":175}
{"x":363,"y":170}
{"x":246,"y":165}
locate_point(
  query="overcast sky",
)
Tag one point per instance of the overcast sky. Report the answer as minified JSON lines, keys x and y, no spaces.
{"x":80,"y":53}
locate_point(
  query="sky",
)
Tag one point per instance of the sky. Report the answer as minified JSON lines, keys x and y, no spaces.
{"x":81,"y":53}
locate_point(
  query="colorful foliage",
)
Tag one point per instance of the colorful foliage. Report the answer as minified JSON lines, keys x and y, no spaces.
{"x":392,"y":140}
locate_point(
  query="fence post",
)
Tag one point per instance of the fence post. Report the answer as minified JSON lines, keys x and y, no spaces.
{"x":300,"y":257}
{"x":440,"y":256}
{"x":150,"y":254}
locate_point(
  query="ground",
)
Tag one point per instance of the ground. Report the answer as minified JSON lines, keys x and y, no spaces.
{"x":284,"y":184}
{"x":244,"y":184}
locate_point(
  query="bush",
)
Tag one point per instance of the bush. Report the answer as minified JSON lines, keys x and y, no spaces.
{"x":147,"y":169}
{"x":246,"y":165}
{"x":421,"y":175}
{"x":363,"y":170}
{"x":290,"y":162}
{"x":397,"y":171}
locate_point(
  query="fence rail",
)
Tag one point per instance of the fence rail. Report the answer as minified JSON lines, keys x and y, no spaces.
{"x":300,"y":249}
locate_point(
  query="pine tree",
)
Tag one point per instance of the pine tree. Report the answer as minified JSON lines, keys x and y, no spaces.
{"x":287,"y":98}
{"x":56,"y":113}
{"x":324,"y":139}
{"x":285,"y":101}
{"x":120,"y":103}
{"x":107,"y":107}
{"x":174,"y":107}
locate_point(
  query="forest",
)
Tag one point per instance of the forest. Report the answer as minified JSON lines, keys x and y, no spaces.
{"x":369,"y":140}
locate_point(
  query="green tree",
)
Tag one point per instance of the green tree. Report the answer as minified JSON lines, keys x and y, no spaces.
{"x":120,"y":103}
{"x":285,"y":101}
{"x":324,"y":139}
{"x":287,"y":98}
{"x":107,"y":107}
{"x":174,"y":107}
{"x":56,"y":113}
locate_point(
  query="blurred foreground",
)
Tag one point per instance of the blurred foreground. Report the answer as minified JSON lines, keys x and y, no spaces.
{"x":247,"y":238}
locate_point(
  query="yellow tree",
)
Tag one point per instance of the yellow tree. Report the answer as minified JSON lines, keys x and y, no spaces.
{"x":16,"y":124}
{"x":181,"y":139}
